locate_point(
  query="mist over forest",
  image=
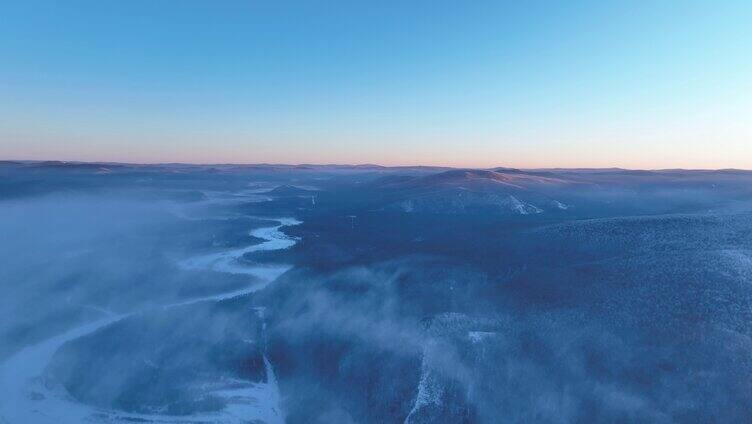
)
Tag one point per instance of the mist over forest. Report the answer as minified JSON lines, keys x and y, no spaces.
{"x":365,"y":294}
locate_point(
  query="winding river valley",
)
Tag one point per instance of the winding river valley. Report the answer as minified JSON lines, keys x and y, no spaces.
{"x":28,"y":398}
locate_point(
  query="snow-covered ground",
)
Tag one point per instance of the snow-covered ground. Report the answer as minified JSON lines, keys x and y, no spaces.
{"x":26,"y":398}
{"x":229,"y":261}
{"x":430,"y":391}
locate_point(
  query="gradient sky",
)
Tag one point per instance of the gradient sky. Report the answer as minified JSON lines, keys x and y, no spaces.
{"x":653,"y":84}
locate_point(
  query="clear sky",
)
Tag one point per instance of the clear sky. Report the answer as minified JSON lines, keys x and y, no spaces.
{"x":653,"y":84}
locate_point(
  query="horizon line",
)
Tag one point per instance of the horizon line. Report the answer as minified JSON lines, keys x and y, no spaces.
{"x":361,"y":165}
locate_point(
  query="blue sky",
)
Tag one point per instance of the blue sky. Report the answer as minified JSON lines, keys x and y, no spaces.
{"x":652,"y":84}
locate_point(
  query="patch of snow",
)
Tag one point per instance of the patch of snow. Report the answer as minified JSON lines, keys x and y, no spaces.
{"x":523,"y":208}
{"x":479,"y":336}
{"x":560,"y":205}
{"x":430,"y":391}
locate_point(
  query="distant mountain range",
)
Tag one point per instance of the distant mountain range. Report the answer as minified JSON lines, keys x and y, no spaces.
{"x":472,"y":190}
{"x":490,"y":173}
{"x":501,"y":190}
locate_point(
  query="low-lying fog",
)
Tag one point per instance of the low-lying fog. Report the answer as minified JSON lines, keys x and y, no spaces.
{"x":373,"y":295}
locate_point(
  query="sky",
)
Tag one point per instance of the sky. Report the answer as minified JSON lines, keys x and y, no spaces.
{"x":641,"y":84}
